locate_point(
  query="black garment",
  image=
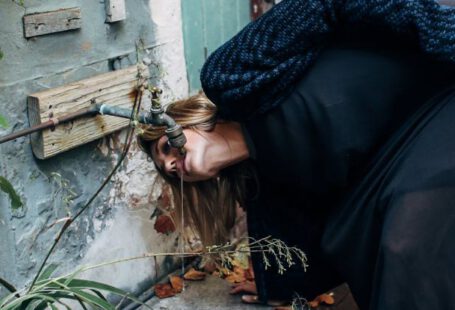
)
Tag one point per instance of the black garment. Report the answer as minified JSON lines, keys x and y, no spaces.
{"x":250,"y":72}
{"x":337,"y":177}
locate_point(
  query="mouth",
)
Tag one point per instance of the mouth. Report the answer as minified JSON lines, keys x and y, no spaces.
{"x":182,"y":166}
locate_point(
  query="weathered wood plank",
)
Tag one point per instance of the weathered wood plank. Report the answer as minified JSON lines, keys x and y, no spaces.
{"x":38,"y":24}
{"x":115,"y":10}
{"x":115,"y":88}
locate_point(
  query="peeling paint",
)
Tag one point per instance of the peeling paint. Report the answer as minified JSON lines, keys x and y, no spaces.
{"x":118,"y":223}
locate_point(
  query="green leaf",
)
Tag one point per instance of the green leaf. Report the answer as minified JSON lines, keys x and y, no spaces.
{"x":39,"y":303}
{"x":4,"y":300}
{"x":92,"y":299}
{"x":52,"y":306}
{"x":47,"y":272}
{"x":81,"y":302}
{"x":19,"y":303}
{"x":88,"y":284}
{"x":3,"y":122}
{"x":58,"y":294}
{"x":6,"y":187}
{"x":98,"y":286}
{"x":100,"y":295}
{"x":71,"y":277}
{"x":1,"y":54}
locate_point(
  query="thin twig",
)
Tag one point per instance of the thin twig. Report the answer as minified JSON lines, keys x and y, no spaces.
{"x":128,"y":140}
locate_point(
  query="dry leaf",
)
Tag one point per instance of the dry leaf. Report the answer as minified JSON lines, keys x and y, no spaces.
{"x":237,"y":275}
{"x":324,"y":298}
{"x":327,"y":299}
{"x":164,"y":224}
{"x":235,"y":278}
{"x":313,"y":304}
{"x":224,"y":272}
{"x":177,"y":283}
{"x":194,"y":275}
{"x":164,"y":290}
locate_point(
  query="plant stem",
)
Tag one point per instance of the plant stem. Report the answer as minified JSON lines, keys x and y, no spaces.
{"x":128,"y":140}
{"x":8,"y":285}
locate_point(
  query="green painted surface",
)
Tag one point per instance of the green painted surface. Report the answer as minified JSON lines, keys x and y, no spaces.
{"x":207,"y":24}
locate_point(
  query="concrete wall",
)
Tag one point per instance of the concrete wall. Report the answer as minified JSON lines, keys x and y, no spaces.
{"x":119,"y":223}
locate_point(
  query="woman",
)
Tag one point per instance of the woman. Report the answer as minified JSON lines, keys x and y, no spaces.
{"x":347,"y":126}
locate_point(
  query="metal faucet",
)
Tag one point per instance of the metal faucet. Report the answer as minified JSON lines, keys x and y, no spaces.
{"x":156,"y":116}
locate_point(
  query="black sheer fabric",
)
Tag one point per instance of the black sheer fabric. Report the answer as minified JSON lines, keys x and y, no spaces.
{"x":357,"y":167}
{"x":392,"y":238}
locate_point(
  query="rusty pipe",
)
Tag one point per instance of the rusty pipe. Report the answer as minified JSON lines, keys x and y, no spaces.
{"x":52,"y":122}
{"x":157,"y":117}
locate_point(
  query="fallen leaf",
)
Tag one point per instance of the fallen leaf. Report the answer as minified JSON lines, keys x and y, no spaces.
{"x":235,"y":278}
{"x":327,"y":299}
{"x":164,"y":290}
{"x":177,"y":283}
{"x":237,"y":275}
{"x":323,"y":298}
{"x":164,"y":224}
{"x":194,"y":275}
{"x":224,"y":272}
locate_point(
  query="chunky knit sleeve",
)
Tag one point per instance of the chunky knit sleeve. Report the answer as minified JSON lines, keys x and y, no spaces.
{"x":249,"y":73}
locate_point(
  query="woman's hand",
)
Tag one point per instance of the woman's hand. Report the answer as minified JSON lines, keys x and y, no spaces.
{"x":252,"y":298}
{"x":244,"y":287}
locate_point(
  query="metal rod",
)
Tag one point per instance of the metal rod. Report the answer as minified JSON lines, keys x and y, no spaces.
{"x":156,"y":117}
{"x":49,"y":124}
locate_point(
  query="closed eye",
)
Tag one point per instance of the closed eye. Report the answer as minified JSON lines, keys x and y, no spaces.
{"x":166,"y":148}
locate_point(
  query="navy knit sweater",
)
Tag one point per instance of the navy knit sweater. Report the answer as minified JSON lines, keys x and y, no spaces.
{"x":251,"y":72}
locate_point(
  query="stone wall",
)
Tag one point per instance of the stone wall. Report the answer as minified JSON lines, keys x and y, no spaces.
{"x":120,"y":222}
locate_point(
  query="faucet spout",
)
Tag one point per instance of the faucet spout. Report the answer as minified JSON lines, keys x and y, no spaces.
{"x":156,"y":117}
{"x":174,"y":131}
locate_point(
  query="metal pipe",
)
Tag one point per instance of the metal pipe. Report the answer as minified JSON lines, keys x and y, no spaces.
{"x":52,"y":122}
{"x":156,"y":117}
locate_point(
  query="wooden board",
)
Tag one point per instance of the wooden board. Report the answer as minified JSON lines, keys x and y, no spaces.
{"x":115,"y":88}
{"x":115,"y":10}
{"x":38,"y":24}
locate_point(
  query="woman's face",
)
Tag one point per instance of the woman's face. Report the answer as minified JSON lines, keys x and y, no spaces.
{"x":195,"y":165}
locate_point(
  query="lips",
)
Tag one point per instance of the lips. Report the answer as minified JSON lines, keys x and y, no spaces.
{"x":181,"y":166}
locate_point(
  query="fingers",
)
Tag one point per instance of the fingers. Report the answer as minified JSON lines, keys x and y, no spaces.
{"x":250,"y":299}
{"x":244,"y":287}
{"x":253,"y":299}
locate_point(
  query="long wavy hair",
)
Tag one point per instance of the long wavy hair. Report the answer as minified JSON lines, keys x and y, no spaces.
{"x":209,"y":206}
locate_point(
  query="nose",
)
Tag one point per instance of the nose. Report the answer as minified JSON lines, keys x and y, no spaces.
{"x":170,"y":163}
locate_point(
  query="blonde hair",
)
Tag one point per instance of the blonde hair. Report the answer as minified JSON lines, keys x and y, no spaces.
{"x":209,"y":206}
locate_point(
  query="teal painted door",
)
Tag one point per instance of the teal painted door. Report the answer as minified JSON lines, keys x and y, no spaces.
{"x":207,"y":24}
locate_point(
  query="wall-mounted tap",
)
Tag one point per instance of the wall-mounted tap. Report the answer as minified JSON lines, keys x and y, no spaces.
{"x":156,"y":116}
